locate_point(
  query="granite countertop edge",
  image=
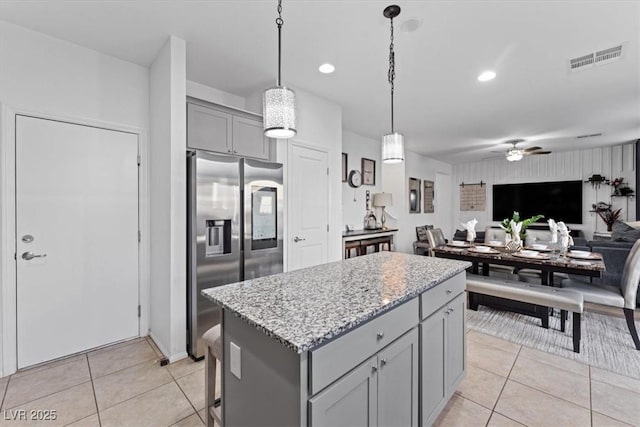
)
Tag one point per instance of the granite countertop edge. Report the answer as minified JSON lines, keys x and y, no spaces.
{"x":342,"y":329}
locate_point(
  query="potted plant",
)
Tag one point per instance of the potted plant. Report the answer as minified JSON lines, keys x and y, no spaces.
{"x":506,"y":223}
{"x":609,"y":216}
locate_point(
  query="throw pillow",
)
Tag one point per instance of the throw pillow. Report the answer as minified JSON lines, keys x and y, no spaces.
{"x":621,"y":232}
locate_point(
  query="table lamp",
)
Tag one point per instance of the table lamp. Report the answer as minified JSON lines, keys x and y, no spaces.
{"x":382,"y":200}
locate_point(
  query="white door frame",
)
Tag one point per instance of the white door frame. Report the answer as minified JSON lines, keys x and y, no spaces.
{"x":8,"y":299}
{"x":298,"y":143}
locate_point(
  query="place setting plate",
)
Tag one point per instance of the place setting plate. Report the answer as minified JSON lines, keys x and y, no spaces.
{"x":585,"y":255}
{"x":458,"y":244}
{"x":580,"y":262}
{"x":539,"y":248}
{"x":483,"y":250}
{"x":531,"y":255}
{"x":495,"y":244}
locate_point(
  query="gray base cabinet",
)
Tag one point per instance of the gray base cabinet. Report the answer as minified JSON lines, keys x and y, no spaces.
{"x":225,"y":131}
{"x":443,"y":356}
{"x":397,"y":369}
{"x":351,"y":401}
{"x":383,"y":391}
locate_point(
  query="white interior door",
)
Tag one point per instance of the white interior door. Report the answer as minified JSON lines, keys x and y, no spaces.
{"x":308,"y":207}
{"x":76,"y":203}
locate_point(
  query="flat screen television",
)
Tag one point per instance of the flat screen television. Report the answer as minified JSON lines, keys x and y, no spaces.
{"x":561,"y":200}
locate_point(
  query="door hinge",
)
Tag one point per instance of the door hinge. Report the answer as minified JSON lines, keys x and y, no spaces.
{"x":139,"y":311}
{"x":15,"y":256}
{"x":327,"y":171}
{"x":327,"y":227}
{"x":138,"y":159}
{"x":139,"y":236}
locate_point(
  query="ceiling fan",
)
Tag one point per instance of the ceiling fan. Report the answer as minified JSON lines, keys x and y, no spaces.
{"x":515,"y":153}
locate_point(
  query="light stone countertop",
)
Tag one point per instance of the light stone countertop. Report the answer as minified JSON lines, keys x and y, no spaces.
{"x":307,"y":307}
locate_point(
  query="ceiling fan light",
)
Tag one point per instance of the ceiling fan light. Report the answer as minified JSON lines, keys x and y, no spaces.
{"x":514,"y":155}
{"x":279,"y":112}
{"x":393,"y":148}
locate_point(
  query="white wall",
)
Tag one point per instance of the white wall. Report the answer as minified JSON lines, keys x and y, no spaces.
{"x":49,"y":77}
{"x":216,"y":96}
{"x":167,"y":95}
{"x":396,"y":179}
{"x":611,"y":162}
{"x":358,"y":147}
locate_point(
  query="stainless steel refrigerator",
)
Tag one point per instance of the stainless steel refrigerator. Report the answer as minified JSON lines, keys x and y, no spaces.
{"x":234,"y":231}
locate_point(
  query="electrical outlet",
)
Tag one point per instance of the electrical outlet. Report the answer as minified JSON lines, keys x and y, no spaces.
{"x":235,"y":362}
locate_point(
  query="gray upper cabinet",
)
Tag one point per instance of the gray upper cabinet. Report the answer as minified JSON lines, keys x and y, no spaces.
{"x":249,"y":139}
{"x":209,"y":129}
{"x":223,"y":131}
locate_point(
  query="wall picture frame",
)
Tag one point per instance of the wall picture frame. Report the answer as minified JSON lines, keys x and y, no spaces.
{"x":368,"y":169}
{"x":428,"y":193}
{"x":345,"y":167}
{"x":414,"y":195}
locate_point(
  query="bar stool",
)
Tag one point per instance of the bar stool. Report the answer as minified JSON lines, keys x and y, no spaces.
{"x":366,"y":244}
{"x":213,"y":356}
{"x":350,"y":246}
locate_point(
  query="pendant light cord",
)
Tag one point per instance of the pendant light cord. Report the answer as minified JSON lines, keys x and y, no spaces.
{"x":279,"y":23}
{"x":391,"y":75}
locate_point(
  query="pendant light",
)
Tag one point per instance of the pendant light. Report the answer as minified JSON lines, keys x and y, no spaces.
{"x":392,"y":143}
{"x":279,"y":102}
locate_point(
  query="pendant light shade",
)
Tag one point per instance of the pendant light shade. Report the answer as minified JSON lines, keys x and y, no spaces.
{"x":392,"y":143}
{"x":279,"y":112}
{"x":279,"y":102}
{"x":393,"y":148}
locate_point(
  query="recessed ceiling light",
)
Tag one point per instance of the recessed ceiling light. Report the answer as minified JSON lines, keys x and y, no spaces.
{"x":486,"y":76}
{"x":326,"y":68}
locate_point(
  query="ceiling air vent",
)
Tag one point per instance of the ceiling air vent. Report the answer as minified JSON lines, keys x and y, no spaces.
{"x":588,"y":135}
{"x":600,"y":57}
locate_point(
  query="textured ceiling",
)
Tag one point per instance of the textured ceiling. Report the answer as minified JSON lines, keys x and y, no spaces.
{"x":441,"y":108}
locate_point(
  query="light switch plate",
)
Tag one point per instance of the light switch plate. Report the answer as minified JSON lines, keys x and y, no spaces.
{"x":235,"y":356}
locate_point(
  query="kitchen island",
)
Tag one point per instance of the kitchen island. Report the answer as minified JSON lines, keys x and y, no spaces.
{"x":372,"y":340}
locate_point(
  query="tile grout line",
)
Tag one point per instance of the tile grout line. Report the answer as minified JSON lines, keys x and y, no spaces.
{"x":93,"y":387}
{"x":552,"y":395}
{"x":590,"y":398}
{"x":189,"y":400}
{"x":493,"y":410}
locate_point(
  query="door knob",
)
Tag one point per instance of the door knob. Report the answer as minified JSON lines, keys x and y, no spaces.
{"x":298,"y":239}
{"x":28,"y":256}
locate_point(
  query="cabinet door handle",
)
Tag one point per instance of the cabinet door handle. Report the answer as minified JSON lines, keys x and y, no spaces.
{"x":374,"y":368}
{"x":449,"y":291}
{"x":380,"y":335}
{"x":383,"y":362}
{"x":229,"y":150}
{"x":235,"y":151}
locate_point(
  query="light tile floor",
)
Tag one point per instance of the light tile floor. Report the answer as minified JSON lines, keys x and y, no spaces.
{"x":512,"y":385}
{"x":506,"y":385}
{"x":120,"y":385}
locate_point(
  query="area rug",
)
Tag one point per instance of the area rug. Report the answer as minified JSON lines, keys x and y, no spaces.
{"x":606,"y":342}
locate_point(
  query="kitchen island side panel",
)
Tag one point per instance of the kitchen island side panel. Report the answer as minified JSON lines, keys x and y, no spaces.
{"x":272,"y":390}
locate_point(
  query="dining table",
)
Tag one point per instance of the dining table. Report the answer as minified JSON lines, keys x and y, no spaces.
{"x":547,"y":260}
{"x":544,"y":258}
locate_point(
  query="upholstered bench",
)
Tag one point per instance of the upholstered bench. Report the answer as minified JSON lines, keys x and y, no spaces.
{"x":542,"y":297}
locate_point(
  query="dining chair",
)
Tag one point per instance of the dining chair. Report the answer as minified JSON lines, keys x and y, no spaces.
{"x":622,"y":296}
{"x":436,"y":239}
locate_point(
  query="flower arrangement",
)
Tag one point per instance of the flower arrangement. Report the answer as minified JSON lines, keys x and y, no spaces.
{"x":515,"y":219}
{"x":609,"y":216}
